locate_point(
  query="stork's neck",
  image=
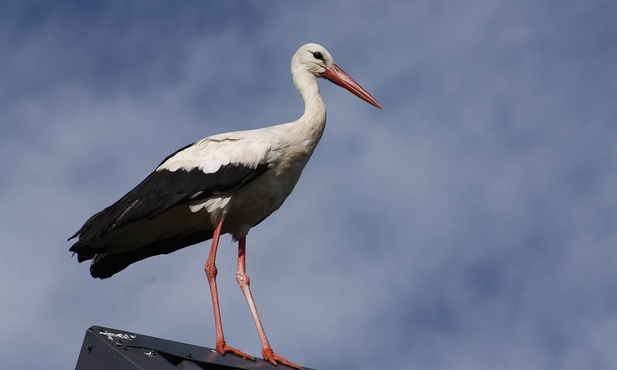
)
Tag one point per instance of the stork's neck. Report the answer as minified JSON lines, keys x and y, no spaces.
{"x":313,"y":121}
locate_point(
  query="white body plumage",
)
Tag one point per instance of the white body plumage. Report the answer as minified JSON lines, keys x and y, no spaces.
{"x":285,"y":149}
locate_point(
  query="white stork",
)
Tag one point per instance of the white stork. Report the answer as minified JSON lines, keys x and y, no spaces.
{"x":224,"y":183}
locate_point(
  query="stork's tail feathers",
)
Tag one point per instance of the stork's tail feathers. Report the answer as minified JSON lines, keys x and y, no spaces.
{"x":105,"y":265}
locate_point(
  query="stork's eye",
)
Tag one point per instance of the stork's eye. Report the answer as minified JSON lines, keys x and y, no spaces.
{"x":318,"y":55}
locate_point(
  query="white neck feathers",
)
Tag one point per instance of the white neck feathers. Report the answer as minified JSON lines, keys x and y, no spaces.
{"x":314,"y":118}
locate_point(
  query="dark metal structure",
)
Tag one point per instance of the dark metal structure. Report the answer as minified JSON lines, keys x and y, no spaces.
{"x":106,"y":348}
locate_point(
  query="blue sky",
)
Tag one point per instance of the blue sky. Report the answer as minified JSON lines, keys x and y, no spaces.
{"x":470,"y":224}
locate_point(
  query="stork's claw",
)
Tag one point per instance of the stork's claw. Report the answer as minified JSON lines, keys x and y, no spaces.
{"x":275,"y":359}
{"x":223,"y":348}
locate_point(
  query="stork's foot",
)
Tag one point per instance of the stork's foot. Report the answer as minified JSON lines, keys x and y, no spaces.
{"x":275,"y":359}
{"x":223,"y":348}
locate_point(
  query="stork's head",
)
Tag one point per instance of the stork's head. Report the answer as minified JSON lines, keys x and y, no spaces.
{"x":315,"y":59}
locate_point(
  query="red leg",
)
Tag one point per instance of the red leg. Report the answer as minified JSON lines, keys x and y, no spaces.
{"x":211,"y":272}
{"x":245,"y":285}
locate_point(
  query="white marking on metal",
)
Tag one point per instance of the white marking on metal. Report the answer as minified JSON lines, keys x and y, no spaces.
{"x":112,"y":336}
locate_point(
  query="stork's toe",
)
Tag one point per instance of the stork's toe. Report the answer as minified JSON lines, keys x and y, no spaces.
{"x":275,"y":359}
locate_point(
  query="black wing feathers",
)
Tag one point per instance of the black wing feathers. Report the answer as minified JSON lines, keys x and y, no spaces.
{"x":160,"y":191}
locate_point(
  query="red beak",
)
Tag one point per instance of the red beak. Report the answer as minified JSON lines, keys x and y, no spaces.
{"x":339,"y":77}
